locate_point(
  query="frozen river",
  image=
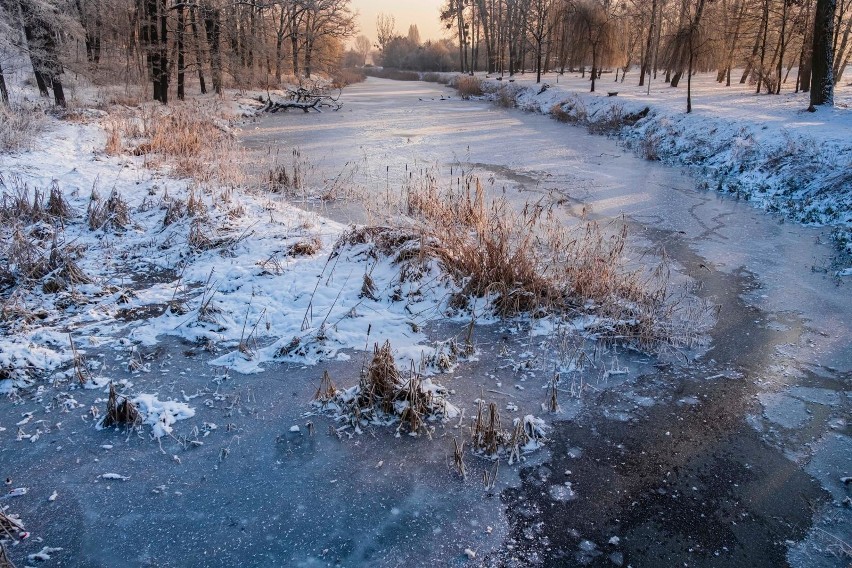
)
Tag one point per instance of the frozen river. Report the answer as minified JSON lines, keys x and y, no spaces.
{"x":734,"y":458}
{"x":693,"y":466}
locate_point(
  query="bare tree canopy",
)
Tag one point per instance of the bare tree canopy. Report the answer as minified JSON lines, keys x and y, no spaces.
{"x":164,"y":42}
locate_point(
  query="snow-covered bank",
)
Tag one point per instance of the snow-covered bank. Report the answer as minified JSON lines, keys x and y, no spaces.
{"x":764,"y":148}
{"x":230,"y":267}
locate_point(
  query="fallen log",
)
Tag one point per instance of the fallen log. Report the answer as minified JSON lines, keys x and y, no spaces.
{"x":274,"y":106}
{"x":301,"y":99}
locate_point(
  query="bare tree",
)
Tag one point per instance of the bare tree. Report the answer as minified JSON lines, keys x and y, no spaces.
{"x":363,"y":48}
{"x":593,"y":22}
{"x":540,"y":26}
{"x":385,"y":30}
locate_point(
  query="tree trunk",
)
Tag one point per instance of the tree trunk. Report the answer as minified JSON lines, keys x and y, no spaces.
{"x":29,"y":34}
{"x":309,"y":48}
{"x":294,"y":44}
{"x":646,"y":60}
{"x":163,"y":46}
{"x":750,"y":61}
{"x":730,"y":61}
{"x":781,"y":48}
{"x":199,"y":59}
{"x":43,"y":53}
{"x":538,"y":56}
{"x":839,"y":63}
{"x":594,"y":66}
{"x":822,"y":80}
{"x":213,"y":29}
{"x":181,"y":64}
{"x":765,"y":25}
{"x":4,"y":92}
{"x":689,"y":81}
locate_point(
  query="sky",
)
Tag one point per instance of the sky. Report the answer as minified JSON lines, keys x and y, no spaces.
{"x":424,"y":13}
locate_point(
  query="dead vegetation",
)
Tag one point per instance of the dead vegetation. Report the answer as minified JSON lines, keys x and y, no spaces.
{"x":490,"y":439}
{"x":468,"y":86}
{"x":18,"y":206}
{"x":383,"y":397}
{"x":120,"y":411}
{"x":10,"y":527}
{"x":5,"y":561}
{"x":288,"y":178}
{"x":110,"y":213}
{"x":608,"y":122}
{"x":30,"y":257}
{"x":81,"y":369}
{"x":305,"y":247}
{"x":19,"y":126}
{"x":191,"y":138}
{"x":529,"y":262}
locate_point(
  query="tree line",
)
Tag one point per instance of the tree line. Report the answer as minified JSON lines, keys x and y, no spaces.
{"x":170,"y":43}
{"x":765,"y":39}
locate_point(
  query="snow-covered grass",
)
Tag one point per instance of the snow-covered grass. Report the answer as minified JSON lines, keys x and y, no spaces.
{"x":221,"y":265}
{"x":18,"y":126}
{"x":764,"y":148}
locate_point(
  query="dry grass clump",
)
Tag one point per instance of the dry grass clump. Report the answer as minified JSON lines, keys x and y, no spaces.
{"x":197,"y":238}
{"x":529,"y":262}
{"x":489,"y":439}
{"x":189,"y":137}
{"x":381,"y":382}
{"x":341,"y":78}
{"x":506,"y":96}
{"x":307,"y":247}
{"x":608,"y":121}
{"x":326,"y":390}
{"x":186,"y":137}
{"x":468,"y":86}
{"x":288,"y":178}
{"x":491,"y":250}
{"x":28,"y":256}
{"x":432,"y":77}
{"x":572,"y":111}
{"x":63,"y":270}
{"x":120,"y":412}
{"x":176,"y":210}
{"x":57,"y":206}
{"x":113,"y":145}
{"x":112,"y":213}
{"x":18,"y":127}
{"x":406,"y":246}
{"x":18,"y":206}
{"x":383,"y":397}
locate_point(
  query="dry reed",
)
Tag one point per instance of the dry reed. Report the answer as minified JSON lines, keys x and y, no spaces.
{"x":120,"y":412}
{"x":468,"y":86}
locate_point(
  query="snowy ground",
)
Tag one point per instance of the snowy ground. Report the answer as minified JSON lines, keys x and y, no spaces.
{"x":189,"y":318}
{"x":764,"y":148}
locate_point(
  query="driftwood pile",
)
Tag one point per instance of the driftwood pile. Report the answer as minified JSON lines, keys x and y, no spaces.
{"x":304,"y":99}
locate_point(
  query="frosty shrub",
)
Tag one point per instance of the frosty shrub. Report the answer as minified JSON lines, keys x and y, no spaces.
{"x":18,"y":127}
{"x":468,"y":86}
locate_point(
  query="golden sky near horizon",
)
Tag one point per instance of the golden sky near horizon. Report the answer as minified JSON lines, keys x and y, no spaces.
{"x":424,"y":13}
